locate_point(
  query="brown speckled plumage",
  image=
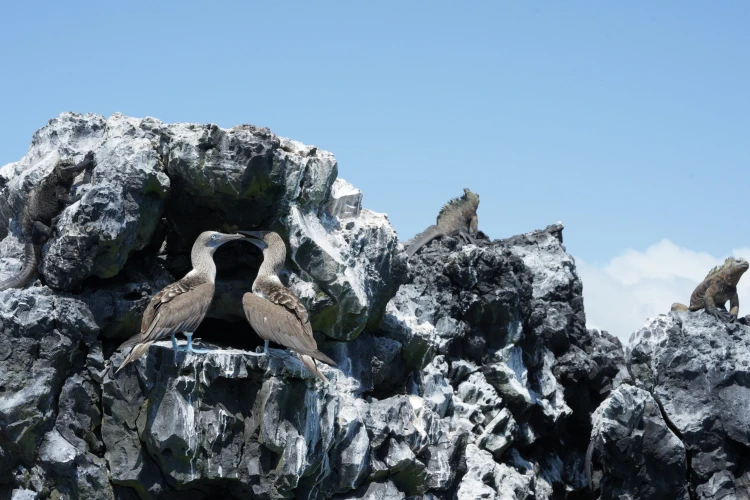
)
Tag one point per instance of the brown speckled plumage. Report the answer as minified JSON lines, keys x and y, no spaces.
{"x":276,"y":313}
{"x":181,"y":306}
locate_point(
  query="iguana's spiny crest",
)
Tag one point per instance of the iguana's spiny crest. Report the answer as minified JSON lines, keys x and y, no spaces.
{"x":458,"y":217}
{"x":469,"y":201}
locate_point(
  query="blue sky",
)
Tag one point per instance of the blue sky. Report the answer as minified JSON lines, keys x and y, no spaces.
{"x":628,"y":121}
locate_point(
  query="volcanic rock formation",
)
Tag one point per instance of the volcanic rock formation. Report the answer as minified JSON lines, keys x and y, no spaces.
{"x":681,"y":430}
{"x":468,"y":374}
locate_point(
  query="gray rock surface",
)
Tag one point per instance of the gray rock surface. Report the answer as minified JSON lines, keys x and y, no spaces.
{"x":629,"y":425}
{"x":162,"y":184}
{"x":498,"y":330}
{"x":467,"y":374}
{"x":693,"y":373}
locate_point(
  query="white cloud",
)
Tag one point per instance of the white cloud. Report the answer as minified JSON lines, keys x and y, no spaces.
{"x":620,"y":296}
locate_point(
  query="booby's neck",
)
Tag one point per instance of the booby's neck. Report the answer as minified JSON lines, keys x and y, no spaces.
{"x":274,"y":256}
{"x":202,"y":259}
{"x":264,"y":284}
{"x":273,"y":260}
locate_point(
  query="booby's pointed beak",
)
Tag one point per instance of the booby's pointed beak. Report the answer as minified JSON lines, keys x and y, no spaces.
{"x":255,"y":234}
{"x":254,"y":237}
{"x":230,"y":237}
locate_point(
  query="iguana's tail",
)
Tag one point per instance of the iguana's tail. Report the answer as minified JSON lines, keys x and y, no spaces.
{"x":31,"y":255}
{"x":422,"y":239}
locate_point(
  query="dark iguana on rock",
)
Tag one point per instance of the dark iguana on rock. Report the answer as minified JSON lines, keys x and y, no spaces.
{"x":457,"y":217}
{"x":43,"y":207}
{"x":718,"y":286}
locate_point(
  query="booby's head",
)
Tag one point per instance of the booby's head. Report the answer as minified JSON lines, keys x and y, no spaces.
{"x":274,"y":249}
{"x":202,"y":254}
{"x":211,"y":240}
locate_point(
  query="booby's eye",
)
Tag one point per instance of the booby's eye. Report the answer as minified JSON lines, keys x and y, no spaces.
{"x":214,"y":236}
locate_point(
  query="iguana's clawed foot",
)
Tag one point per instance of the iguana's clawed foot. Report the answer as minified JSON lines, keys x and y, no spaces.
{"x":54,"y":228}
{"x":467,"y":238}
{"x":40,"y":233}
{"x":87,"y":163}
{"x":723,"y":315}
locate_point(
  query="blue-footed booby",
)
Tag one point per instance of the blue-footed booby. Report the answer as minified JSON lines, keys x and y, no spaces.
{"x":181,"y":306}
{"x":274,"y":311}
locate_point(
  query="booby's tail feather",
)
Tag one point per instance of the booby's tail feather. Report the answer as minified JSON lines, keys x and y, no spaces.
{"x":131,"y":342}
{"x":310,"y":364}
{"x":321,"y":357}
{"x":138,"y":351}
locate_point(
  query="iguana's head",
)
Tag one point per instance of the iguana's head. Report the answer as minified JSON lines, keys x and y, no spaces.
{"x":732,"y":270}
{"x":472,"y":198}
{"x":67,"y":169}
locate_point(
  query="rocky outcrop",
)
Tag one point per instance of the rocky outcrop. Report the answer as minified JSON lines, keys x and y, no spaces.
{"x":469,"y":374}
{"x":630,"y":424}
{"x":682,"y":430}
{"x":510,"y":343}
{"x":160,"y":185}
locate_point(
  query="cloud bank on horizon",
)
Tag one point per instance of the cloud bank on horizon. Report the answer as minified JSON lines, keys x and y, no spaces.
{"x":622,"y":294}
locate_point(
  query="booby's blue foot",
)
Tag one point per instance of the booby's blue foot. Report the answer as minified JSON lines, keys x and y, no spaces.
{"x":174,"y":343}
{"x":264,"y":353}
{"x":189,"y":347}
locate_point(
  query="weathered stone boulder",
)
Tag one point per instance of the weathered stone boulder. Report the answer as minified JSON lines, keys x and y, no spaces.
{"x":43,"y":337}
{"x":637,"y":455}
{"x":498,"y":331}
{"x":693,"y":374}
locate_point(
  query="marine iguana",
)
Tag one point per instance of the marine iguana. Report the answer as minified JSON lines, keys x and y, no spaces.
{"x":716,"y":288}
{"x":457,"y":217}
{"x":41,"y":213}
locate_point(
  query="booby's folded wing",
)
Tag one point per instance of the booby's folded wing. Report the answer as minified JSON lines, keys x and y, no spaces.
{"x":164,"y":295}
{"x":286,"y":298}
{"x":278,"y":324}
{"x":176,"y":309}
